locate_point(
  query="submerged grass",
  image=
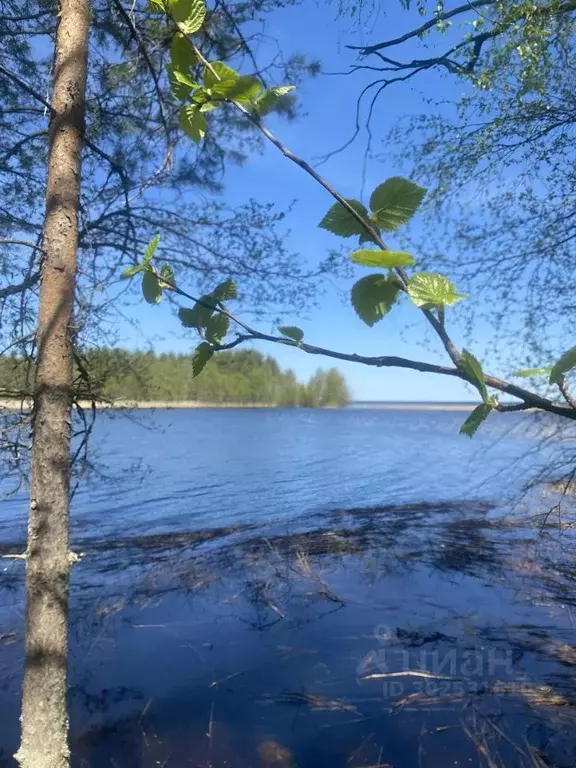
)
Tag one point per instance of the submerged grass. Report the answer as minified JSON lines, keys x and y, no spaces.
{"x":298,"y":622}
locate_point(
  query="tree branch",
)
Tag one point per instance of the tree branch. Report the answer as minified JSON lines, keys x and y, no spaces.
{"x":28,"y":282}
{"x":529,"y":399}
{"x":476,"y":41}
{"x":563,"y":387}
{"x":467,"y":7}
{"x":38,"y":96}
{"x":367,"y":226}
{"x":143,"y":50}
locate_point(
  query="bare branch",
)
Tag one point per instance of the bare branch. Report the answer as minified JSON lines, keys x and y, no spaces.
{"x":466,"y":8}
{"x":38,"y":96}
{"x":474,"y":42}
{"x":144,"y":51}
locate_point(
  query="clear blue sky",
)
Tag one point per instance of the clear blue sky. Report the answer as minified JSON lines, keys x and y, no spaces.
{"x":329,"y":106}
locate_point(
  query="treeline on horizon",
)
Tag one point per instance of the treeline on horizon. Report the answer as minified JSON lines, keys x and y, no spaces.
{"x":236,"y":376}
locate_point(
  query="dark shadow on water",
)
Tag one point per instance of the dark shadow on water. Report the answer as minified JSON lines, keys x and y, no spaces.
{"x":410,"y":636}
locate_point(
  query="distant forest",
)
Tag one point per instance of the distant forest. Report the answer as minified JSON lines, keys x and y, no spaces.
{"x":244,"y":376}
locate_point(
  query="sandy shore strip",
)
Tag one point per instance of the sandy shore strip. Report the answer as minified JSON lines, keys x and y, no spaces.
{"x":414,"y":406}
{"x":16,"y":405}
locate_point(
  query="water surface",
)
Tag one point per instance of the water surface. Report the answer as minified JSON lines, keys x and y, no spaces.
{"x":309,"y":588}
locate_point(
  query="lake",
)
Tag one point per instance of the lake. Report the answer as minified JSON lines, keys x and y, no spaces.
{"x":310,"y":588}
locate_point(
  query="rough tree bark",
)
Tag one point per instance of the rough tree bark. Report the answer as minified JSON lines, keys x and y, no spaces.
{"x":44,"y":721}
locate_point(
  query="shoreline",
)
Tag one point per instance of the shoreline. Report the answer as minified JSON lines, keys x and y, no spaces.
{"x":16,"y":405}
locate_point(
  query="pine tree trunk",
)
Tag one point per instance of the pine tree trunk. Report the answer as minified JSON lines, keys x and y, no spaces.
{"x":44,"y":721}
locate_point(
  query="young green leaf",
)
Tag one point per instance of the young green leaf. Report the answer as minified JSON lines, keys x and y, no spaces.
{"x":182,"y":56}
{"x":292,"y":332}
{"x":199,"y":316}
{"x":202,"y":354}
{"x":184,"y":79}
{"x":478,"y":415}
{"x":525,"y":373}
{"x":383,"y":259}
{"x":187,"y":317}
{"x":225,"y":291}
{"x":180,"y":91}
{"x":167,"y":279}
{"x":431,"y":290}
{"x":131,"y":271}
{"x":188,"y":14}
{"x":395,"y":201}
{"x":242,"y":89}
{"x":268,"y":101}
{"x":373,"y":297}
{"x":150,"y":251}
{"x":218,"y":72}
{"x":151,"y":288}
{"x":565,"y":364}
{"x":340,"y":221}
{"x":193,"y":123}
{"x":473,"y":370}
{"x":156,"y":6}
{"x":217,"y":328}
{"x":367,"y":238}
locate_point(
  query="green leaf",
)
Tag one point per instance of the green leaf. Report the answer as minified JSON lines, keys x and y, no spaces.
{"x":180,"y":91}
{"x":131,"y":271}
{"x":478,"y":415}
{"x":429,"y":290}
{"x":187,"y":317}
{"x":268,"y":101}
{"x":367,"y":238}
{"x":182,"y":56}
{"x":525,"y":373}
{"x":150,"y":250}
{"x":473,"y":370}
{"x":373,"y":297}
{"x":167,"y":279}
{"x":188,"y":14}
{"x":395,"y":201}
{"x":156,"y":6}
{"x":565,"y":364}
{"x":225,"y":291}
{"x":202,"y":354}
{"x":193,"y":123}
{"x":151,"y":288}
{"x":292,"y":332}
{"x":201,"y":96}
{"x":219,"y":72}
{"x":242,"y":89}
{"x":199,"y":316}
{"x":384,"y":259}
{"x":184,"y":79}
{"x":340,"y":221}
{"x":217,"y":328}
{"x":182,"y":60}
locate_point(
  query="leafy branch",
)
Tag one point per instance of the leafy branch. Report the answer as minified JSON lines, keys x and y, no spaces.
{"x":392,"y":204}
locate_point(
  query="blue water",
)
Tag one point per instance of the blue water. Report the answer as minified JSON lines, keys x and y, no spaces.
{"x":246,"y":572}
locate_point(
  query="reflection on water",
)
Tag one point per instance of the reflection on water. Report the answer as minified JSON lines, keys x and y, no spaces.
{"x":423,"y":624}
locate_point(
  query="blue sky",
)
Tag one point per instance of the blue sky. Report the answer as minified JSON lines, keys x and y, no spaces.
{"x":328,"y":103}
